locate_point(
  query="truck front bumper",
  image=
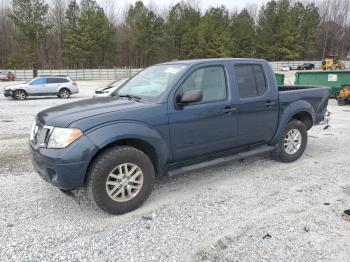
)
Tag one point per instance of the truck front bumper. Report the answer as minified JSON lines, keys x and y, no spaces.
{"x":64,"y":168}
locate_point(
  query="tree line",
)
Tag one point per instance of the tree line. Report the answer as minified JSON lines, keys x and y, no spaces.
{"x":88,"y":35}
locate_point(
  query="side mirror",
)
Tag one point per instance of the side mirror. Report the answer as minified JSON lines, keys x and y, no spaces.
{"x":190,"y":97}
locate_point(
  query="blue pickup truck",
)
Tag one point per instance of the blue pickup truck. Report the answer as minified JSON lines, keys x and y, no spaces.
{"x":172,"y":118}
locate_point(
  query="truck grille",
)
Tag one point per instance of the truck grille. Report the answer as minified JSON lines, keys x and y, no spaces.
{"x":40,"y":135}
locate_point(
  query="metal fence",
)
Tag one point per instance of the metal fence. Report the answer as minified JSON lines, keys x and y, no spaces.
{"x":79,"y":74}
{"x":278,"y":64}
{"x":120,"y":73}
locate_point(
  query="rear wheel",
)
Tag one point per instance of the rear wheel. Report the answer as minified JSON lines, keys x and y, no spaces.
{"x":64,"y":93}
{"x":292,"y":143}
{"x":341,"y":102}
{"x":20,"y":95}
{"x":120,"y":179}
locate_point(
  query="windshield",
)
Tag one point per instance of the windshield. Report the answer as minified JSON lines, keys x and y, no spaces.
{"x":151,"y":82}
{"x":28,"y":82}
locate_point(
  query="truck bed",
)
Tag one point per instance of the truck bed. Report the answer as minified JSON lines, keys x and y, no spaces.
{"x":283,"y":88}
{"x":317,"y":96}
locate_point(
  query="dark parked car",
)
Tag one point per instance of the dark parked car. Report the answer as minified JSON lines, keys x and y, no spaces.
{"x":306,"y":66}
{"x":7,"y":76}
{"x":172,"y":118}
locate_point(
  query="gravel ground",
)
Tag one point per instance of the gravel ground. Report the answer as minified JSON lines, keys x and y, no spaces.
{"x":253,"y":210}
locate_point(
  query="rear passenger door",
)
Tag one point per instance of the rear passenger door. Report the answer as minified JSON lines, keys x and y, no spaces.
{"x":258,"y":104}
{"x":52,"y":85}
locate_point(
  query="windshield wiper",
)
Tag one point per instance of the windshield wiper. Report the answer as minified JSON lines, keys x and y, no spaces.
{"x":132,"y":97}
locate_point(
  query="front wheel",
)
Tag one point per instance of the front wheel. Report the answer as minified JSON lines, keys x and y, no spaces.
{"x":292,"y":143}
{"x":66,"y":192}
{"x":20,"y":95}
{"x":120,"y":179}
{"x":341,"y":102}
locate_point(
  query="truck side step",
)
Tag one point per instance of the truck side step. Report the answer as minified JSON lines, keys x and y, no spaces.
{"x":221,"y":160}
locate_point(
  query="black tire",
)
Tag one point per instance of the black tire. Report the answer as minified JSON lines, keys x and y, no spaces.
{"x":20,"y":95}
{"x":280,"y":153}
{"x":341,"y":102}
{"x":100,"y":170}
{"x":66,"y":192}
{"x":64,"y":93}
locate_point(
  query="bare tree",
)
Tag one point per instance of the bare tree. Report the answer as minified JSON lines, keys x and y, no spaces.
{"x":334,"y":28}
{"x":54,"y":41}
{"x":112,"y":10}
{"x":253,"y":10}
{"x":7,"y":41}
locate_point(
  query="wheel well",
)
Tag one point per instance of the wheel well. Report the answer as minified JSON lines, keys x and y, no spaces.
{"x":136,"y":143}
{"x":64,"y":88}
{"x":20,"y":90}
{"x":305,"y":118}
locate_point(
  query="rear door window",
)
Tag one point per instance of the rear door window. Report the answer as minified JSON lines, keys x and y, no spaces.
{"x":52,"y":80}
{"x":251,"y":81}
{"x":63,"y":80}
{"x":260,"y":79}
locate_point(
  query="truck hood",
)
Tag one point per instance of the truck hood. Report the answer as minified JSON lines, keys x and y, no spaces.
{"x":64,"y":115}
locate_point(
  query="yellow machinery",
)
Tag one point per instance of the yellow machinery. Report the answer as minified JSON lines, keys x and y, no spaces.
{"x":332,"y":62}
{"x":344,"y":95}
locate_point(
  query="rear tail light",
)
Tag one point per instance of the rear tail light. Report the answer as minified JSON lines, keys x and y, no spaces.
{"x":74,"y":83}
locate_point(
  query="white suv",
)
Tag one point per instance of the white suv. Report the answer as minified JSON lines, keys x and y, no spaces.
{"x":62,"y":86}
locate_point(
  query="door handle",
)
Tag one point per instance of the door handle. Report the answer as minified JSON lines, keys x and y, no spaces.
{"x":270,"y":103}
{"x":229,"y":109}
{"x":226,"y":110}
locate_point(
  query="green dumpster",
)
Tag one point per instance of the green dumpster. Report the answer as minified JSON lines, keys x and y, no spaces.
{"x":333,"y":79}
{"x":279,"y":79}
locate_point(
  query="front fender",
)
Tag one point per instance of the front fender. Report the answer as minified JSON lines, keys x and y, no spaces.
{"x":287,"y":113}
{"x":107,"y":134}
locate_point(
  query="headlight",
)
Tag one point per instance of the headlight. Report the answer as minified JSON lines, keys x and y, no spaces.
{"x":62,"y":137}
{"x":33,"y":131}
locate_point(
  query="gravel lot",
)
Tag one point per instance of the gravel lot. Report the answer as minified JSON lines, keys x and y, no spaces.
{"x":252,"y":210}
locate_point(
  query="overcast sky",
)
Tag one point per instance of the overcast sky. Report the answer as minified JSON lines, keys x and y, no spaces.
{"x":203,"y":4}
{"x":165,"y":4}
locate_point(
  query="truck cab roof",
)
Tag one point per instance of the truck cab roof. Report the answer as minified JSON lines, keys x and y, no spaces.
{"x":213,"y":60}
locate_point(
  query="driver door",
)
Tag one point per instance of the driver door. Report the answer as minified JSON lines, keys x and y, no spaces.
{"x":208,"y":126}
{"x":37,"y":86}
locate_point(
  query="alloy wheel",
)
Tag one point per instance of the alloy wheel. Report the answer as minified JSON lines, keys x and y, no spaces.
{"x":292,"y":141}
{"x":64,"y":94}
{"x":20,"y":95}
{"x":124,"y":182}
